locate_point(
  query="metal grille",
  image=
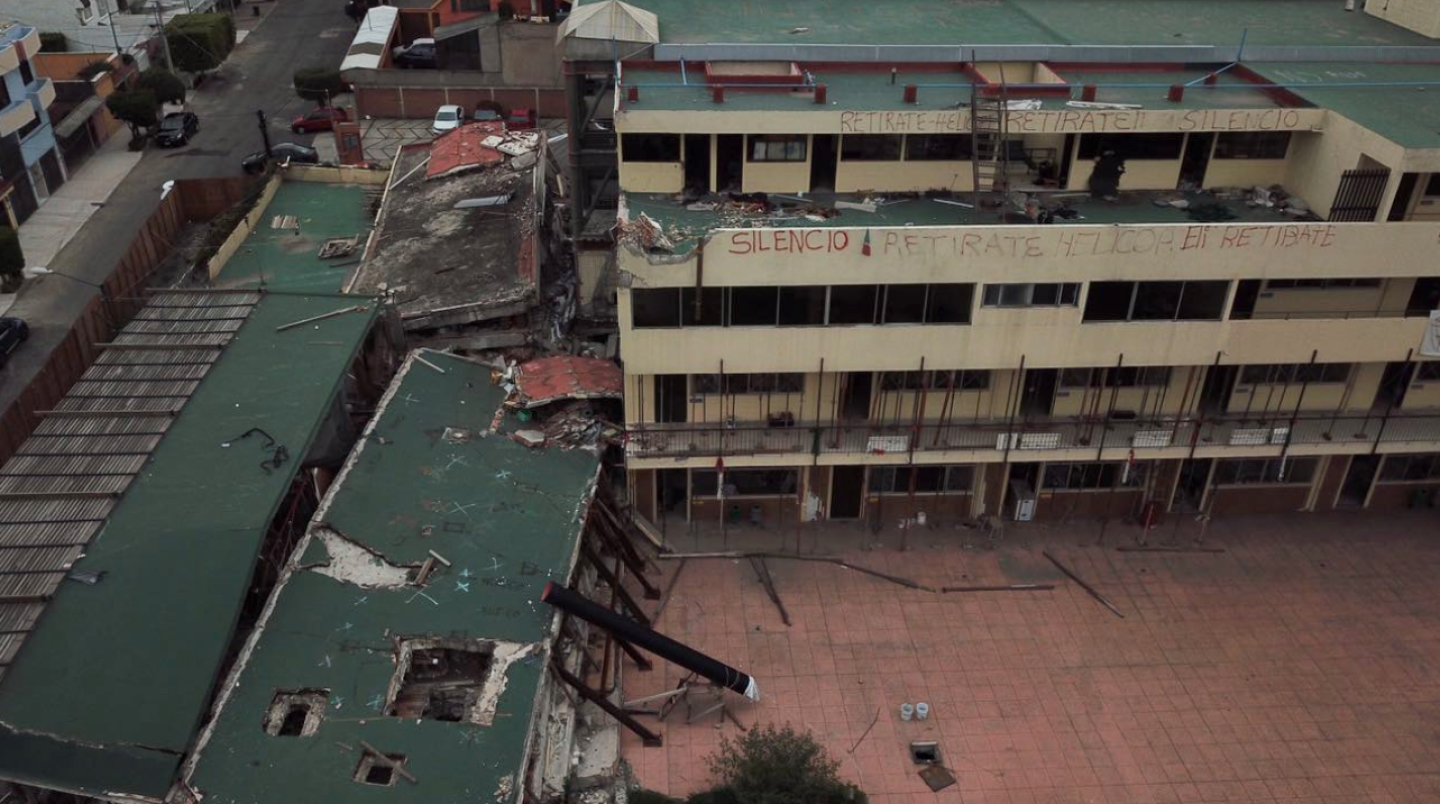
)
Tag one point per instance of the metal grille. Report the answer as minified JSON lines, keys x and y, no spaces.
{"x":64,"y":481}
{"x":1359,"y":194}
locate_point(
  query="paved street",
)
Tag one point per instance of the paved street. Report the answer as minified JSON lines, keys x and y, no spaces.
{"x":295,"y":33}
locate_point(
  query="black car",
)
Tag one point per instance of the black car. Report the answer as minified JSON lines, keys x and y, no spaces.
{"x":13,"y":332}
{"x":176,"y":129}
{"x":280,"y":152}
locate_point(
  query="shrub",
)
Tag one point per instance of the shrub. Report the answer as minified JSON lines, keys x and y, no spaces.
{"x":200,"y":42}
{"x":167,"y":86}
{"x":135,"y":107}
{"x":94,"y":68}
{"x":53,"y":42}
{"x":12,"y":259}
{"x":766,"y":765}
{"x":318,"y":84}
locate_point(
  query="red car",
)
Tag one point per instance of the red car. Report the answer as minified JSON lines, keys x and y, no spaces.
{"x":321,"y":119}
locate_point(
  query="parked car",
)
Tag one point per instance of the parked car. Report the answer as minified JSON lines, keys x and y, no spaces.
{"x":419,"y":54}
{"x":13,"y":332}
{"x":176,"y":129}
{"x":280,"y":152}
{"x":520,"y":119}
{"x":448,"y":117}
{"x":321,"y":119}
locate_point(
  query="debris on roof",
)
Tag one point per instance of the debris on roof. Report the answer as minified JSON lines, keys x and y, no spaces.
{"x":551,"y":379}
{"x":465,"y":148}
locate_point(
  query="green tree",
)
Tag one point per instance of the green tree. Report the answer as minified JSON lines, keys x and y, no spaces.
{"x":136,"y":107}
{"x":94,"y":68}
{"x":12,"y":260}
{"x":766,"y":765}
{"x":167,"y":86}
{"x":318,"y":84}
{"x":200,"y":42}
{"x":53,"y":42}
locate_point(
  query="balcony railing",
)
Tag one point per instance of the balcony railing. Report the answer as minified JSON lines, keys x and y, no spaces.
{"x":1153,"y":435}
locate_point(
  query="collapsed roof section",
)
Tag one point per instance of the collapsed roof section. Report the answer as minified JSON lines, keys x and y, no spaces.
{"x":405,"y":647}
{"x":457,"y":240}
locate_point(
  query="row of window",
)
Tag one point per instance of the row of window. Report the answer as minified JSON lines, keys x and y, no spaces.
{"x":1080,"y":476}
{"x":957,"y":147}
{"x":765,"y":383}
{"x":897,"y":479}
{"x":801,"y":305}
{"x":1411,"y":467}
{"x":1255,"y":471}
{"x":1295,"y":373}
{"x":1115,"y":377}
{"x":1031,"y":294}
{"x":1156,"y":301}
{"x":974,"y":380}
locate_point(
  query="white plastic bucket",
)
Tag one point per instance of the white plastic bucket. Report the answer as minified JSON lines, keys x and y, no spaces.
{"x":906,"y":712}
{"x":922,"y":711}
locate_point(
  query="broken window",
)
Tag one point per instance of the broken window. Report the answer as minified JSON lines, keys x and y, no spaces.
{"x":652,"y":308}
{"x":904,"y":304}
{"x":1252,"y":145}
{"x":937,"y":147}
{"x":1427,"y":372}
{"x":1032,"y":294}
{"x":1078,"y":476}
{"x":1109,"y":301}
{"x":1252,"y":471}
{"x":650,"y":147}
{"x":777,"y":147}
{"x":373,"y":770}
{"x":712,"y":307}
{"x":441,"y":680}
{"x":1132,"y":146}
{"x":1424,"y":298}
{"x":870,"y":147}
{"x":1156,"y":301}
{"x":853,"y":304}
{"x":754,"y":306}
{"x":949,"y":303}
{"x":295,"y":713}
{"x":745,"y":482}
{"x":802,"y":306}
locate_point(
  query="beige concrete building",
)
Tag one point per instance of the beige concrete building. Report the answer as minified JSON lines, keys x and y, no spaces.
{"x":864,"y":272}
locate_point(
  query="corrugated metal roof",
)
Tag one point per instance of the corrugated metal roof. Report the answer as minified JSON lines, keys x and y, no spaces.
{"x":63,"y":482}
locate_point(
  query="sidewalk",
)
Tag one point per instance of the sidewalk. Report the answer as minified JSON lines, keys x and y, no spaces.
{"x":59,"y":218}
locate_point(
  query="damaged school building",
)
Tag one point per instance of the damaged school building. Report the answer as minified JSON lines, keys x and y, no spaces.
{"x":1026,"y":259}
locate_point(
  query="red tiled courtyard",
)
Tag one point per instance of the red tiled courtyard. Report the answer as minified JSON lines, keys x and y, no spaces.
{"x":1300,"y":665}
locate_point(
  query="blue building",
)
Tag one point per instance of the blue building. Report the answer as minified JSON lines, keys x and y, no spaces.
{"x":30,"y":163}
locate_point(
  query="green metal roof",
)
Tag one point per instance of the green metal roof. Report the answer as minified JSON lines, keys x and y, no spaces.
{"x":1024,"y":22}
{"x":506,"y":516}
{"x":1408,"y":116}
{"x":108,"y":691}
{"x":284,"y":260}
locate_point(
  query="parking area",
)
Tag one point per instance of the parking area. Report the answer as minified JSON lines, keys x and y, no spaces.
{"x":1290,"y":659}
{"x":382,"y":139}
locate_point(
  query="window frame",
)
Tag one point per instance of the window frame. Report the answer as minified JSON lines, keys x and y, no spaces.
{"x":872,"y":147}
{"x":1254,"y":144}
{"x":1064,"y":290}
{"x":631,"y":141}
{"x":963,"y":150}
{"x":771,"y":140}
{"x":1264,"y":471}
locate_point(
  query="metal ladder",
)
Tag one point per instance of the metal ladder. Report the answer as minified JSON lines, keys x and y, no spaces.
{"x":988,"y":128}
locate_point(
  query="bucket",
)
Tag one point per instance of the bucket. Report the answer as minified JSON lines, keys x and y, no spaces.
{"x":906,"y":712}
{"x":922,"y":711}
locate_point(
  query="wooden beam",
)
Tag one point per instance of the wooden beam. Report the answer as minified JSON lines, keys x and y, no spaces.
{"x":605,"y":574}
{"x":647,"y":736}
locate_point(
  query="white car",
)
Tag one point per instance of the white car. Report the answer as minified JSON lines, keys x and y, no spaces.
{"x":447,"y":118}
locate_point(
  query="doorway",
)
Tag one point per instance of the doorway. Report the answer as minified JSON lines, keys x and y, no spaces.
{"x":847,"y":491}
{"x":824,"y":163}
{"x":1358,"y":479}
{"x":671,"y":397}
{"x":697,"y":163}
{"x":855,"y":399}
{"x":729,"y":163}
{"x":1393,"y":385}
{"x":1039,"y":394}
{"x":1190,"y":488}
{"x":670,"y":493}
{"x":1404,"y":193}
{"x":1215,"y":392}
{"x":1196,"y":160}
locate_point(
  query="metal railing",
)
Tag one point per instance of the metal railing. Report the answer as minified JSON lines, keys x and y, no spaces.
{"x":1148,"y":435}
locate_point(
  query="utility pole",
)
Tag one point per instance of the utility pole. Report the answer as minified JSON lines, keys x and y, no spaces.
{"x":160,"y":24}
{"x":110,"y":23}
{"x":264,"y":133}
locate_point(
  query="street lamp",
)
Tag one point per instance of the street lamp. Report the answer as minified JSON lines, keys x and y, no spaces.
{"x":39,"y":270}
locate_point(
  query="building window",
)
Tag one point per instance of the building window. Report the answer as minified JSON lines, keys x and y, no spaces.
{"x":904,"y":304}
{"x":1410,"y":467}
{"x":932,"y":479}
{"x":769,"y":383}
{"x":927,"y":304}
{"x":802,"y":306}
{"x":934,"y":380}
{"x":754,"y":306}
{"x":1273,"y":471}
{"x":1156,"y":301}
{"x":870,"y":147}
{"x":1132,"y":146}
{"x":27,"y":75}
{"x":652,"y":308}
{"x":777,"y":147}
{"x":1427,"y":372}
{"x":937,"y":147}
{"x":745,"y":482}
{"x":1043,"y":294}
{"x":1113,"y":377}
{"x":1252,"y":145}
{"x":710,"y":311}
{"x":853,"y":304}
{"x":1295,"y":373}
{"x":1320,"y":284}
{"x":1080,"y":476}
{"x":650,"y":147}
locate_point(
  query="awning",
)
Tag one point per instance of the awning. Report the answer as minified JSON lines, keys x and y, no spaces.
{"x":612,"y":20}
{"x":78,"y":116}
{"x":367,"y":49}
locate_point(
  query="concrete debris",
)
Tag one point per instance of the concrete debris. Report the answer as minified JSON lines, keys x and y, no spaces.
{"x":529,"y":438}
{"x":355,"y":564}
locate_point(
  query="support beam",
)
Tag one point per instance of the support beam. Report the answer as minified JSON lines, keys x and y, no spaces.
{"x":647,"y":736}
